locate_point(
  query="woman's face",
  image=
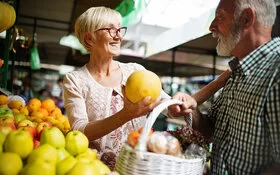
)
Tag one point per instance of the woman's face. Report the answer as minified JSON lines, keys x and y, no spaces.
{"x":105,"y":44}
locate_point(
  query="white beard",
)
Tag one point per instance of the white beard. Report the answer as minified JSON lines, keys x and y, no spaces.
{"x":227,"y":43}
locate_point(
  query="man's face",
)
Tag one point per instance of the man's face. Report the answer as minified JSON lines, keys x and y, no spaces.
{"x":226,"y":28}
{"x":228,"y":43}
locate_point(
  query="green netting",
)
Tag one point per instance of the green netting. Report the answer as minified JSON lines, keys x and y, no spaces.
{"x":35,"y":59}
{"x":125,"y":7}
{"x":131,"y":11}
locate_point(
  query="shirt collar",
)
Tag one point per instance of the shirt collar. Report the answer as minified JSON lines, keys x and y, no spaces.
{"x":256,"y":57}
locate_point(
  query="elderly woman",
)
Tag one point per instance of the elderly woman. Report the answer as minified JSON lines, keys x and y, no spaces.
{"x":93,"y":95}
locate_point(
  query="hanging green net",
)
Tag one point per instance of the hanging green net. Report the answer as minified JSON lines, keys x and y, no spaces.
{"x":131,"y":11}
{"x":35,"y":58}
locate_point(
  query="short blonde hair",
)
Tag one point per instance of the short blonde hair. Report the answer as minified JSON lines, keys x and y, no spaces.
{"x":92,"y":19}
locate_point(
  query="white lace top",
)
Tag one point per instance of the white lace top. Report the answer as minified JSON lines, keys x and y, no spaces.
{"x":86,"y":100}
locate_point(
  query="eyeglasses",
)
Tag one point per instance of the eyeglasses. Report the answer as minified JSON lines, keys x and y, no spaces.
{"x":120,"y":32}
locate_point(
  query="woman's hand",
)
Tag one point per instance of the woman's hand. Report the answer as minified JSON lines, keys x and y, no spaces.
{"x":143,"y":107}
{"x":189,"y":104}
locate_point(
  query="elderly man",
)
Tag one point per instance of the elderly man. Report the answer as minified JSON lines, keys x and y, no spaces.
{"x":244,"y":121}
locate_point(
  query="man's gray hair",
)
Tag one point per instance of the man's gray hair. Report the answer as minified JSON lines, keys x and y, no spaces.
{"x":265,"y":10}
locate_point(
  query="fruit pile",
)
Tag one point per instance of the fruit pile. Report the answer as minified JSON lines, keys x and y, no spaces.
{"x":33,"y":116}
{"x":56,"y":154}
{"x":36,"y":138}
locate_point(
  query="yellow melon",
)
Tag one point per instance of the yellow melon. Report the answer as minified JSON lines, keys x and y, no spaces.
{"x":143,"y":83}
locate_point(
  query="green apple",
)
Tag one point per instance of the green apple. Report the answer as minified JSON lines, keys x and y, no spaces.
{"x":41,"y":126}
{"x":76,"y":142}
{"x":44,"y":152}
{"x":26,"y":122}
{"x":53,"y":136}
{"x":30,"y":129}
{"x":101,"y":167}
{"x":19,"y":117}
{"x":10,"y":163}
{"x":64,"y":166}
{"x":5,"y":111}
{"x":88,"y":156}
{"x":20,"y":142}
{"x":39,"y":166}
{"x":62,"y":154}
{"x":84,"y":158}
{"x":84,"y":169}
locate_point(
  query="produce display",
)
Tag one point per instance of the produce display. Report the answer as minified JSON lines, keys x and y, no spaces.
{"x":36,"y":138}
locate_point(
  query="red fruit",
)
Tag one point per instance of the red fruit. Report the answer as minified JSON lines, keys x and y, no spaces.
{"x":8,"y":121}
{"x":41,"y":126}
{"x":6,"y":129}
{"x":36,"y":143}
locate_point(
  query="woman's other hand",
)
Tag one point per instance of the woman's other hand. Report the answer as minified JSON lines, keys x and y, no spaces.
{"x":141,"y":108}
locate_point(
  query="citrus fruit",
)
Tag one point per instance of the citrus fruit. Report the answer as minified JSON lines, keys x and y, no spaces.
{"x":24,"y":110}
{"x":34,"y":104}
{"x":48,"y":104}
{"x":56,"y":112}
{"x":133,"y":138}
{"x":44,"y":112}
{"x":143,"y":83}
{"x":3,"y":99}
{"x":15,"y":104}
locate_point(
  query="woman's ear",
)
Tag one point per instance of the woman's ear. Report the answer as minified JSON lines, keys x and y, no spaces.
{"x":248,"y":17}
{"x":88,"y":39}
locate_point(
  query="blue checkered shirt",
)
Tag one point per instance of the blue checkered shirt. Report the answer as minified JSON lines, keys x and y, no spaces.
{"x":246,"y":114}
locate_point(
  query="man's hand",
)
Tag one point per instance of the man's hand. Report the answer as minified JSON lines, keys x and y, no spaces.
{"x":189,"y":104}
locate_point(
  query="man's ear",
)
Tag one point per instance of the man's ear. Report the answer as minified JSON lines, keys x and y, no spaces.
{"x":248,"y":17}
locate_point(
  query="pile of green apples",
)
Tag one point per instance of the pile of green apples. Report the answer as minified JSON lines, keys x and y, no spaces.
{"x":56,"y":154}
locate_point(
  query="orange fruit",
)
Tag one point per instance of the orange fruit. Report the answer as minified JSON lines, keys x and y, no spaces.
{"x":133,"y":138}
{"x":56,"y":112}
{"x":37,"y":115}
{"x":66,"y":124}
{"x":3,"y":99}
{"x":48,"y":104}
{"x":44,"y":112}
{"x":24,"y":110}
{"x":61,"y":118}
{"x":150,"y":132}
{"x":15,"y":104}
{"x":34,"y":104}
{"x":142,"y":83}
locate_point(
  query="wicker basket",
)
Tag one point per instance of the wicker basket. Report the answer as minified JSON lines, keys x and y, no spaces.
{"x":140,"y":162}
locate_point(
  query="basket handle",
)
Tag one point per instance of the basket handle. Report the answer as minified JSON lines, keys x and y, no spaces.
{"x":142,"y":145}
